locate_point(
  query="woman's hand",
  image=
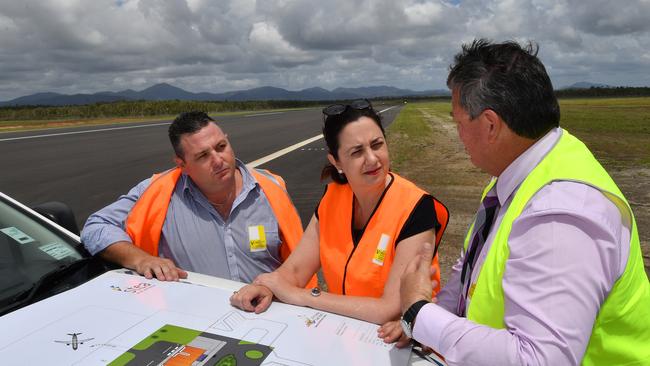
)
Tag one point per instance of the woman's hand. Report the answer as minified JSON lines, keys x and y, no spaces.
{"x":392,"y":332}
{"x":281,"y":288}
{"x":254,"y":297}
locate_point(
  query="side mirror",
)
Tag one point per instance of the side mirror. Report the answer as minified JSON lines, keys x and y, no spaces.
{"x":60,"y":213}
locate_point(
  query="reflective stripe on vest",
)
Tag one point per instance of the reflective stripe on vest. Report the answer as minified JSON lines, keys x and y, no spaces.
{"x":145,"y":220}
{"x":621,"y":331}
{"x":368,"y":265}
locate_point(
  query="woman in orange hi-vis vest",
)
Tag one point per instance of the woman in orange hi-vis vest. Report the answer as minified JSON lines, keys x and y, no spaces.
{"x":369,"y":223}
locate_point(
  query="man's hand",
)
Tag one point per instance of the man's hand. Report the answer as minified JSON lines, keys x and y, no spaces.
{"x":416,"y":281}
{"x":129,"y":256}
{"x":392,"y":332}
{"x":255,"y":298}
{"x":161,"y":268}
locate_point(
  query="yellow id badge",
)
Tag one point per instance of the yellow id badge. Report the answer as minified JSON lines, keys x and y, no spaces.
{"x":380,"y":252}
{"x":257,"y":238}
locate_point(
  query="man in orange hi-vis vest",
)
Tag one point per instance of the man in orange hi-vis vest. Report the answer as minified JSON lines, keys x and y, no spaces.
{"x":210,"y":214}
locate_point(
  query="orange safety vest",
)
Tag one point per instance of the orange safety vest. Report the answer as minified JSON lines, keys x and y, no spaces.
{"x":145,"y":220}
{"x":363,"y":270}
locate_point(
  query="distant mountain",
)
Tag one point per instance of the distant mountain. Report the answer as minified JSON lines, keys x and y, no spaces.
{"x":166,"y":91}
{"x":587,"y":85}
{"x":385,"y":91}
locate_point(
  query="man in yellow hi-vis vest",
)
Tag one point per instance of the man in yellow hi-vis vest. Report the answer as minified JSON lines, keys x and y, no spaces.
{"x":210,"y":214}
{"x":551,"y":272}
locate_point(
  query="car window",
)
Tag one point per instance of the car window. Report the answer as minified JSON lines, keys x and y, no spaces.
{"x":29,"y":248}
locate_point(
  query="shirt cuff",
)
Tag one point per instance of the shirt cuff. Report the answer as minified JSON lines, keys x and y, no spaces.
{"x":429,"y":324}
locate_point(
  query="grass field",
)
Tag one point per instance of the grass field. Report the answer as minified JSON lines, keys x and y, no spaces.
{"x":425,"y":148}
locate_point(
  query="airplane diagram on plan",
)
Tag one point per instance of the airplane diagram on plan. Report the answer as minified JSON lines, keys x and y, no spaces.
{"x":74,"y":341}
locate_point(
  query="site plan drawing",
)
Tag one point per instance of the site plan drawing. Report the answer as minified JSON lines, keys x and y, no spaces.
{"x":177,"y":346}
{"x":125,"y":319}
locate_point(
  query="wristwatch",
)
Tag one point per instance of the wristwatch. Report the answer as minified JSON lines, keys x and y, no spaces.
{"x":408,"y":319}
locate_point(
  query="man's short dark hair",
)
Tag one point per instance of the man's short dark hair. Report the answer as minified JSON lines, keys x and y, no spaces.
{"x":186,"y":123}
{"x":508,"y":79}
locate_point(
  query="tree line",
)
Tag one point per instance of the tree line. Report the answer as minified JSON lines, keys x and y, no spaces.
{"x":140,"y":109}
{"x":604,"y":92}
{"x":144,"y":108}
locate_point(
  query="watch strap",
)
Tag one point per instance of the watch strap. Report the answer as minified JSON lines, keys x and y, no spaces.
{"x":413,"y":311}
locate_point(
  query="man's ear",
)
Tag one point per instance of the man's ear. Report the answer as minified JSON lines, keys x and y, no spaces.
{"x":332,"y":160}
{"x":493,"y":124}
{"x":179,"y":162}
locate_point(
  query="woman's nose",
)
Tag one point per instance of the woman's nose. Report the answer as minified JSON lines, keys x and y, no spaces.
{"x":371,"y":157}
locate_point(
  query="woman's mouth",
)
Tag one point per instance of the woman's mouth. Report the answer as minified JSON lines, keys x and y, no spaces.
{"x":373,"y":172}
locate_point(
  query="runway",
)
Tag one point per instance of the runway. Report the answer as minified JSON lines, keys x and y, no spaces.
{"x":89,"y":167}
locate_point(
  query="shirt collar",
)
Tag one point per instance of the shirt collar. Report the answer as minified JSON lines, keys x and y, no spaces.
{"x":519,"y":169}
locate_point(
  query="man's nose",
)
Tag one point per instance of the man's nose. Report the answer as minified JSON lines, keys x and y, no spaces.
{"x":216,"y":158}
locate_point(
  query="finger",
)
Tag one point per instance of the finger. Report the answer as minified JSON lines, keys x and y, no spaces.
{"x":393,"y":336}
{"x":169,"y":273}
{"x":263,"y":304}
{"x":181,"y":273}
{"x":403,"y":342}
{"x":247,"y":301}
{"x":234,"y":300}
{"x":147,"y":273}
{"x":384,"y":330}
{"x":158,"y":273}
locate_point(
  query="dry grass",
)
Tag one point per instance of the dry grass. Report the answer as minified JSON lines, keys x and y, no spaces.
{"x":425,"y":148}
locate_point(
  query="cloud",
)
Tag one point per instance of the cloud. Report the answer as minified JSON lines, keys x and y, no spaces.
{"x":76,"y":46}
{"x":267,"y":42}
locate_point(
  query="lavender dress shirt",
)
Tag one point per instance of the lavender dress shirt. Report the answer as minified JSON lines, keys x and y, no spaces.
{"x":567,"y":248}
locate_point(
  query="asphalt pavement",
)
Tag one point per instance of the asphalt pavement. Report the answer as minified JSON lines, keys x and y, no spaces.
{"x":89,"y":167}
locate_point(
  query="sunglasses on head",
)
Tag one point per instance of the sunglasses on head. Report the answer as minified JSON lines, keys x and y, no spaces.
{"x":336,"y":109}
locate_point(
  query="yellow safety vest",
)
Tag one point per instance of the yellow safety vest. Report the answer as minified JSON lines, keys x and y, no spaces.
{"x":621,"y":331}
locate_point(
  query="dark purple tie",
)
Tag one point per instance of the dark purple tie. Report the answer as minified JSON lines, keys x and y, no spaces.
{"x":484,"y":219}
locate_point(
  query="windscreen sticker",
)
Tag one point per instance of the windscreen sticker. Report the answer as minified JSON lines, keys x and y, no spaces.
{"x":57,"y":251}
{"x":17,"y":235}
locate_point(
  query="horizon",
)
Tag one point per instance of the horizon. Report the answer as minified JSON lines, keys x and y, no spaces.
{"x":574,"y":85}
{"x":112,"y":45}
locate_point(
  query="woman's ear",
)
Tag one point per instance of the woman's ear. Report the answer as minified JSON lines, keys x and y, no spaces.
{"x":333,"y":161}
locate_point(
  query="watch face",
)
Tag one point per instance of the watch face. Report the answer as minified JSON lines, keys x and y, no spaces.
{"x":406,"y":327}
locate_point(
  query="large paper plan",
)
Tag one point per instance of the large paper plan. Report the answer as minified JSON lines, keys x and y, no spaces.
{"x":123,"y":319}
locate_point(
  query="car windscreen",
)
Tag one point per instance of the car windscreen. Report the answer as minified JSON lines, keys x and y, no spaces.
{"x":29,"y":249}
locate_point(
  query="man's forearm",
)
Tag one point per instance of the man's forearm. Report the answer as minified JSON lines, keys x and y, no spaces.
{"x":124,"y":254}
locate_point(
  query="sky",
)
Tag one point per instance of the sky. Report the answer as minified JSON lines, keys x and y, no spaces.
{"x":87,"y":46}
